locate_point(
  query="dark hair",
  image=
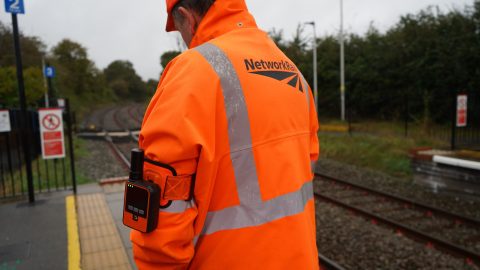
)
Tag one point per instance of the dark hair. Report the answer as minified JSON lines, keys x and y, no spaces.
{"x":199,"y":6}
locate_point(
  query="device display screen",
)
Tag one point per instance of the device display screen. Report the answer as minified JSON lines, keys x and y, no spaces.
{"x":137,"y":200}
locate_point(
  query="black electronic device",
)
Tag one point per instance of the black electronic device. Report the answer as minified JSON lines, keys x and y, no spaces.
{"x":142,"y":198}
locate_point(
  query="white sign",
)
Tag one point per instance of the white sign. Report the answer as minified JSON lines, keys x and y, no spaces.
{"x":5,"y":121}
{"x":61,"y":103}
{"x":51,"y":133}
{"x":462,"y":110}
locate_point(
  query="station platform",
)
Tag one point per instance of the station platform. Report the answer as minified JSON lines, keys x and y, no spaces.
{"x":62,"y":231}
{"x":454,"y":172}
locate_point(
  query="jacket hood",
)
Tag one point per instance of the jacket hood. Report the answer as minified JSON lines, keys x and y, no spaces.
{"x":222,"y":17}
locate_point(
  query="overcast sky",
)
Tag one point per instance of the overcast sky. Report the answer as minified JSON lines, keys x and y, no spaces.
{"x":134,"y":29}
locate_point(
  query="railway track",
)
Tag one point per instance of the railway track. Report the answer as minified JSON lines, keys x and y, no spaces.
{"x":114,"y":121}
{"x":437,"y":228}
{"x":107,"y":119}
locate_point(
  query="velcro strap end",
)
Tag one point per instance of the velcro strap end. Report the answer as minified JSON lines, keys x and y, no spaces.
{"x":178,"y":188}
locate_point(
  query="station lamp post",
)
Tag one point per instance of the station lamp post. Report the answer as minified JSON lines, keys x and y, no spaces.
{"x":315,"y":89}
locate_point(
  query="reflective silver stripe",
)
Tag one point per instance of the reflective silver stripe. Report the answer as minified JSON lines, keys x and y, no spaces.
{"x":238,"y":125}
{"x":178,"y":207}
{"x":243,"y":216}
{"x":252,"y":211}
{"x":195,"y":240}
{"x":305,"y":87}
{"x":307,"y":92}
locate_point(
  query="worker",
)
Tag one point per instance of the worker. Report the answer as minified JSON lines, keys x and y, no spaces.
{"x":230,"y":136}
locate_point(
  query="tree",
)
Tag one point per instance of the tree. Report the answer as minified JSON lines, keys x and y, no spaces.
{"x":167,"y":57}
{"x":34,"y":87}
{"x":426,"y":58}
{"x":152,"y":87}
{"x":124,"y":81}
{"x":77,"y":76}
{"x":32,"y":52}
{"x":32,"y":49}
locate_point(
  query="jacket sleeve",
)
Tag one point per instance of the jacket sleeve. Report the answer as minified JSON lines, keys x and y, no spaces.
{"x":177,"y":131}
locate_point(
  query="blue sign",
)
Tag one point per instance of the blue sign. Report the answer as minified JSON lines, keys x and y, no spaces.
{"x":14,"y":6}
{"x":49,"y":72}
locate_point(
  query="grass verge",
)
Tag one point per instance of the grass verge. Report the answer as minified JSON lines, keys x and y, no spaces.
{"x":379,"y":146}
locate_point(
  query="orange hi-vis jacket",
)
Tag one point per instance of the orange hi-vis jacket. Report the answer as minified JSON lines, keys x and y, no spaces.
{"x":235,"y":112}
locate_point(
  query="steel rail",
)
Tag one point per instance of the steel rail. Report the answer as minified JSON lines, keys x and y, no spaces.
{"x":117,"y":121}
{"x":134,"y":117}
{"x":404,"y":200}
{"x":404,"y":229}
{"x":328,"y":264}
{"x":118,"y":153}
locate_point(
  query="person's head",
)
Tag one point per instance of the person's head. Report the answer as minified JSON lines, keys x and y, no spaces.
{"x":185,"y":16}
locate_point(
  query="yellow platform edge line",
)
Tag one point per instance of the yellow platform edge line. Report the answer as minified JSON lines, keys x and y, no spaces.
{"x":72,"y":233}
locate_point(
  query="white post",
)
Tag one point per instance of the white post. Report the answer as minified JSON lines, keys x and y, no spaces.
{"x":315,"y":75}
{"x":315,"y":79}
{"x":342,"y":64}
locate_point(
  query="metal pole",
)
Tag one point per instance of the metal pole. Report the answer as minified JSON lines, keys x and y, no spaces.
{"x":45,"y":83}
{"x":55,"y":173}
{"x":23,"y":105}
{"x":342,"y":63}
{"x":406,"y":114}
{"x":70,"y":144}
{"x":315,"y":74}
{"x":453,"y":136}
{"x":9,"y":157}
{"x":51,"y":96}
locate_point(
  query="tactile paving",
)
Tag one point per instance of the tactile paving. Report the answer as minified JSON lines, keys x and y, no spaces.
{"x":100,"y":243}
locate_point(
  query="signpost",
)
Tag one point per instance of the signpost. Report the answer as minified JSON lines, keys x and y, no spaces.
{"x":17,"y":7}
{"x":51,"y":133}
{"x":5,"y":121}
{"x":49,"y":73}
{"x":462,"y":110}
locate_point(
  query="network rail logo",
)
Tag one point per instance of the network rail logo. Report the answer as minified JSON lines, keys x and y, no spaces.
{"x":281,"y":71}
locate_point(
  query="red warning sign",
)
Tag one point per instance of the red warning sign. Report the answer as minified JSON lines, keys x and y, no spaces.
{"x":462,"y":110}
{"x":51,"y":129}
{"x":51,"y":121}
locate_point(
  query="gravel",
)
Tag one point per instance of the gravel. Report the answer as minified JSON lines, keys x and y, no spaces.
{"x":100,"y":162}
{"x":442,"y":227}
{"x":355,"y":243}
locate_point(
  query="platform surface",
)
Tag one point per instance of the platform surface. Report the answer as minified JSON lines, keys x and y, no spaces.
{"x":34,"y":236}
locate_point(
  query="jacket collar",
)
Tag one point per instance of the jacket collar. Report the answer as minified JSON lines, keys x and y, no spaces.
{"x":222,"y":17}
